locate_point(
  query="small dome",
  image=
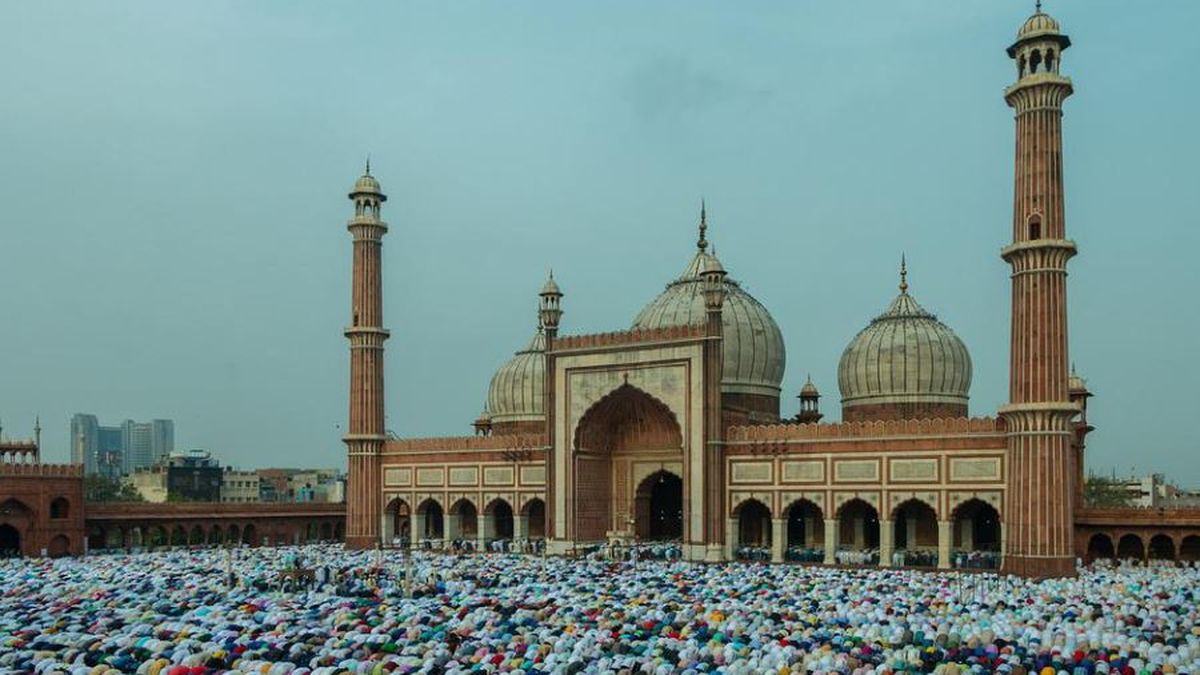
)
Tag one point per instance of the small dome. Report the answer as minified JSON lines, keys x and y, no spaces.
{"x":753,"y":346}
{"x":517,"y":388}
{"x":366,"y":184}
{"x":550,"y":287}
{"x":1038,"y":25}
{"x":904,"y":364}
{"x":809,"y":390}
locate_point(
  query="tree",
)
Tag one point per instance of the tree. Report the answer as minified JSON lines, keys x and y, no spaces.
{"x":97,"y":488}
{"x":1099,"y":491}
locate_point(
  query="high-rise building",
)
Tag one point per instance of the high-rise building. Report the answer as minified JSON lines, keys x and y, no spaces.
{"x":119,"y":450}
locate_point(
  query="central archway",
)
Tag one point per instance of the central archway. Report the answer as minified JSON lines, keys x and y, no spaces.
{"x":626,"y":426}
{"x":658,"y":511}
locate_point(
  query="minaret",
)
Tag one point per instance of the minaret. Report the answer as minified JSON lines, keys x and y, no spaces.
{"x":713,"y":450}
{"x":365,"y":434}
{"x":549,"y":314}
{"x":1040,"y":504}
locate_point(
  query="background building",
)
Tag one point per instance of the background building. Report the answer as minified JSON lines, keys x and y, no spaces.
{"x":239,"y":487}
{"x":119,"y":450}
{"x":192,"y":476}
{"x":302,"y":485}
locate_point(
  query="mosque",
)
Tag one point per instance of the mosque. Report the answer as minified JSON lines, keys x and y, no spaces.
{"x":673,"y":430}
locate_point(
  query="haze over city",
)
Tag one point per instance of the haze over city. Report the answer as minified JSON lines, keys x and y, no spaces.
{"x":175,"y":180}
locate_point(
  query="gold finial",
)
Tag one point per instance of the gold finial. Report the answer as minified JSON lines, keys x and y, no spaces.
{"x":702,"y":243}
{"x":903,"y":275}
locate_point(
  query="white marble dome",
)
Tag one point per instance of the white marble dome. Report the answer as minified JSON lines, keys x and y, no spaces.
{"x":905,"y":357}
{"x":516,"y":391}
{"x":754,"y":353}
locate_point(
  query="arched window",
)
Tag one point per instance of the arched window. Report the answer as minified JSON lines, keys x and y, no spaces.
{"x":60,"y":508}
{"x":1035,"y":226}
{"x":1050,"y":65}
{"x":1035,"y":60}
{"x":1021,"y":66}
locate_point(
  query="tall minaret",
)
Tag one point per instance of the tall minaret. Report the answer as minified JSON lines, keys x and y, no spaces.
{"x":1040,"y":504}
{"x":365,"y":435}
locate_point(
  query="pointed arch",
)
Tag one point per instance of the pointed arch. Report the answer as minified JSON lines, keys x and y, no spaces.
{"x":858,"y":525}
{"x":1161,"y":548}
{"x":806,"y":525}
{"x":1100,"y":547}
{"x":534,"y":511}
{"x":1130,"y":547}
{"x":628,"y":418}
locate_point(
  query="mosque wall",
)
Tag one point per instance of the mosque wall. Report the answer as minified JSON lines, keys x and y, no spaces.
{"x":41,"y":508}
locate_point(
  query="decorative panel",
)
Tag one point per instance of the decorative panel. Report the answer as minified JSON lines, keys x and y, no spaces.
{"x":805,"y":471}
{"x":428,"y":477}
{"x":533,"y":475}
{"x":397,"y":476}
{"x":910,"y":470}
{"x":974,"y":468}
{"x":857,"y":470}
{"x":751,"y":472}
{"x":497,"y":475}
{"x":464,"y":475}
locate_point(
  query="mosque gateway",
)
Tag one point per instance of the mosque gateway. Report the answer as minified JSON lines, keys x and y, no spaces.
{"x":673,"y":430}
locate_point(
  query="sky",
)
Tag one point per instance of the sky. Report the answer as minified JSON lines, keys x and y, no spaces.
{"x":173,"y":182}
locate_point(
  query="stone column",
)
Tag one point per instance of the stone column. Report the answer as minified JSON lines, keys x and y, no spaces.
{"x":451,"y":526}
{"x":386,"y":523}
{"x":910,"y":533}
{"x":810,"y":532}
{"x":731,"y":538}
{"x":860,"y":533}
{"x":778,"y":539}
{"x":967,"y":533}
{"x":887,"y":533}
{"x":831,"y":540}
{"x":485,"y":532}
{"x":417,"y":529}
{"x":944,"y":530}
{"x":520,"y":527}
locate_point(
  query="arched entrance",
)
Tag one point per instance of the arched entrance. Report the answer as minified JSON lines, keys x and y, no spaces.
{"x":805,"y":532}
{"x":658,"y":507}
{"x":59,"y":546}
{"x":463,"y":521}
{"x":1130,"y":548}
{"x":431,"y":514}
{"x":397,"y":525}
{"x":976,"y":526}
{"x":249,"y":536}
{"x":500,"y":512}
{"x":626,"y":424}
{"x":915,"y":534}
{"x":535,"y":515}
{"x":1161,"y":548}
{"x":197,"y":536}
{"x":753,"y":530}
{"x":1189,"y":549}
{"x":1100,"y":547}
{"x":858,"y":526}
{"x":10,"y":542}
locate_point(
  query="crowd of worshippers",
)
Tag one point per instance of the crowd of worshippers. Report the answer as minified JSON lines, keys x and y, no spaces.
{"x":175,"y":612}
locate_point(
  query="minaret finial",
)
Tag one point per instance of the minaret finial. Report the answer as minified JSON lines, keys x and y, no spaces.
{"x":702,"y":243}
{"x":1038,"y":6}
{"x":368,"y":164}
{"x":903,"y":275}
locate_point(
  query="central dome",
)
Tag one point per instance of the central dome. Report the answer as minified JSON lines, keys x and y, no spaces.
{"x":753,"y":346}
{"x":904,"y":365}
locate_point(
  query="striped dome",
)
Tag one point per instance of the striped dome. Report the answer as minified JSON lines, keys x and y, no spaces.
{"x":905,"y":357}
{"x":753,"y":346}
{"x":516,"y":392}
{"x":1037,"y":25}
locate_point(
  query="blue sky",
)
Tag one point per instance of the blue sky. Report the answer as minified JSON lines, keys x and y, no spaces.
{"x":173,"y":179}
